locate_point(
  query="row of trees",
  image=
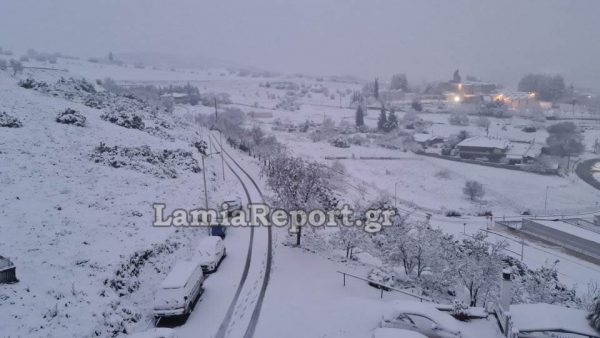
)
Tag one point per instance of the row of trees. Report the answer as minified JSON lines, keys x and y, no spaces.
{"x":546,"y":87}
{"x":16,"y":66}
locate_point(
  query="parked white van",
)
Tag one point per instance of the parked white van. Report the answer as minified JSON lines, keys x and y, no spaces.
{"x":180,"y":290}
{"x":210,"y":252}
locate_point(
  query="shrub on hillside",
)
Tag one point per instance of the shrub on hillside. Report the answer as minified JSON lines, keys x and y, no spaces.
{"x":163,"y":164}
{"x":9,"y":121}
{"x":358,"y":140}
{"x":124,"y":119}
{"x":340,"y":142}
{"x":71,"y":116}
{"x":30,"y":83}
{"x":453,"y":213}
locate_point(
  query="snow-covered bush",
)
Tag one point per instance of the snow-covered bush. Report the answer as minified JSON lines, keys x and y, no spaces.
{"x":163,"y":164}
{"x":381,"y":276}
{"x":30,"y":83}
{"x":358,"y":140}
{"x":443,"y":174}
{"x":124,"y":119}
{"x":289,"y":103}
{"x":9,"y":121}
{"x":460,"y":310}
{"x":340,"y":142}
{"x":453,"y":213}
{"x":540,"y":285}
{"x":459,"y":119}
{"x":594,"y":316}
{"x":71,"y":116}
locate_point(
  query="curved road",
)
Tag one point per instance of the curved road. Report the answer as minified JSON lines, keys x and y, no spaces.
{"x":258,"y":265}
{"x":585,"y":171}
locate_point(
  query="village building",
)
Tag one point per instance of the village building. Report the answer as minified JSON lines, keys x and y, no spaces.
{"x":483,"y":147}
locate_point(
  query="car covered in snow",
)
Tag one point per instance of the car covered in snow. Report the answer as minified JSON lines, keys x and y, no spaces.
{"x":179,"y":291}
{"x":379,"y":276}
{"x":157,"y":332}
{"x":210,"y":252}
{"x":389,"y":332}
{"x":423,"y":318}
{"x":232,"y":205}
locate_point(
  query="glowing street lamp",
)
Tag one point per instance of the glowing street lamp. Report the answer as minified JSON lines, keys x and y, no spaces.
{"x":456,"y":98}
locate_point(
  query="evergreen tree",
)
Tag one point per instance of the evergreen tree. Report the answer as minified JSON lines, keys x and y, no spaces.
{"x":456,"y":77}
{"x":392,"y":121}
{"x":360,"y":116}
{"x":382,"y":121}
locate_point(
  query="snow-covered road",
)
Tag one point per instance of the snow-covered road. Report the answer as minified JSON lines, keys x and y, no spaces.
{"x":231,"y":305}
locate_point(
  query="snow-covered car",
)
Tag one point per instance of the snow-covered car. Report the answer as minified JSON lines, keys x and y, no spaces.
{"x":380,"y":276}
{"x":157,"y":332}
{"x":210,"y":252}
{"x":179,"y":290}
{"x":389,"y":332}
{"x":423,"y":318}
{"x":233,"y":204}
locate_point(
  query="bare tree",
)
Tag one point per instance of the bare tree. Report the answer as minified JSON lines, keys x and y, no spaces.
{"x":473,"y":190}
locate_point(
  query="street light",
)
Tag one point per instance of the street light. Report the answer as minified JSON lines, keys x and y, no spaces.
{"x":204,"y":177}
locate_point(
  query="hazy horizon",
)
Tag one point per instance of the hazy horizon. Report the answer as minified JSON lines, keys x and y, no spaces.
{"x":427,"y":40}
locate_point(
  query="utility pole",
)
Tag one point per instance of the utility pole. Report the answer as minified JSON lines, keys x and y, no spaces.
{"x":546,"y":201}
{"x":222,"y":160}
{"x":220,"y":139}
{"x":205,"y":187}
{"x":395,"y":194}
{"x":216,"y":113}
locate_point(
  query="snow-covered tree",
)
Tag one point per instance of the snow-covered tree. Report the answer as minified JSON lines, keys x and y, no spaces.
{"x":473,"y":190}
{"x":392,"y":121}
{"x":382,"y":120}
{"x":300,"y":185}
{"x":399,"y":81}
{"x":478,"y":266}
{"x":348,"y":238}
{"x":594,"y":316}
{"x":459,"y":119}
{"x":360,"y":116}
{"x":16,"y":66}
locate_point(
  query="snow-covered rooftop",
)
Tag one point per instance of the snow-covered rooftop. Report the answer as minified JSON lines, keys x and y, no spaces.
{"x":547,"y":318}
{"x":570,"y":228}
{"x":520,"y":150}
{"x":484,"y":142}
{"x":179,"y":275}
{"x":421,"y":137}
{"x":174,"y":95}
{"x":5,"y":263}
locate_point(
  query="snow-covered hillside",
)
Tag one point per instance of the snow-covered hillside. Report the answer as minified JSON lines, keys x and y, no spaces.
{"x":76,"y":212}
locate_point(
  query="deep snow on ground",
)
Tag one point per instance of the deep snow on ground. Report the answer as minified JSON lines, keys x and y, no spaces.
{"x":68,"y":223}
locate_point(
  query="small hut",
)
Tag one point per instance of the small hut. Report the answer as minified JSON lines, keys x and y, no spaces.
{"x":8,"y":273}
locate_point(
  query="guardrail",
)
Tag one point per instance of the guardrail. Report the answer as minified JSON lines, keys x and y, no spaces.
{"x":383,"y":287}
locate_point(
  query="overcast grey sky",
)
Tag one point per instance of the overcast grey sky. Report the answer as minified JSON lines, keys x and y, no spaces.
{"x":427,"y":39}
